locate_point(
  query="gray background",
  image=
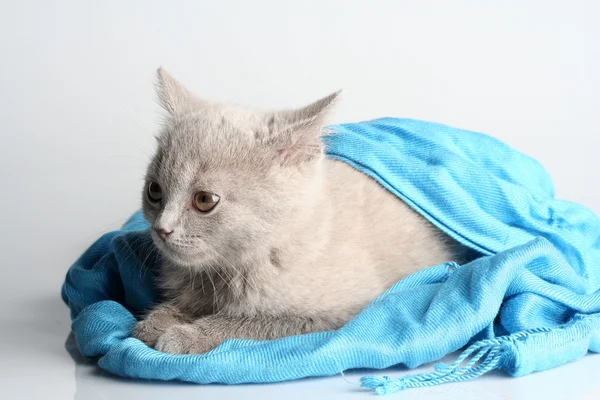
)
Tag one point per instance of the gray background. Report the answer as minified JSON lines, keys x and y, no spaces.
{"x":78,"y":112}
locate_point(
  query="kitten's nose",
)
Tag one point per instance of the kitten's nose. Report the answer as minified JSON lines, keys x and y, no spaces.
{"x":163,"y":233}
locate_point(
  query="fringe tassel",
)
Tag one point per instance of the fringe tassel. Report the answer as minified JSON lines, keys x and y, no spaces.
{"x":486,"y":355}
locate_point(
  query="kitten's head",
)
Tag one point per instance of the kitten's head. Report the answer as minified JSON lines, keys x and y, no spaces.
{"x":224,"y":179}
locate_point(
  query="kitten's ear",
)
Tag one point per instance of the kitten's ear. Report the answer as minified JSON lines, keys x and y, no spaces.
{"x":297,"y":133}
{"x":173,"y":96}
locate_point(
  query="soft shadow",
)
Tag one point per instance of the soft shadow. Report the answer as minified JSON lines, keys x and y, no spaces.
{"x":73,"y":350}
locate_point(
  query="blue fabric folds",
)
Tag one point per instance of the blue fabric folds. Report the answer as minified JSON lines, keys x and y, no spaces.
{"x":529,"y":303}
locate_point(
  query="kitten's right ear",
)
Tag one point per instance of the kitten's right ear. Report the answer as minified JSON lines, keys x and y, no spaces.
{"x":173,"y":96}
{"x":296,"y":134}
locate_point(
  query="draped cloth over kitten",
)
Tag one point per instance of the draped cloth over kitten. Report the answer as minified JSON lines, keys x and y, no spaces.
{"x":529,"y":303}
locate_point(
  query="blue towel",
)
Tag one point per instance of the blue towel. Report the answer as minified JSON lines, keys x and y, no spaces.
{"x":529,"y":303}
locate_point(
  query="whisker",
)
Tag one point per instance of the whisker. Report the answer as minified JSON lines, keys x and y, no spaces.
{"x":235,"y":269}
{"x":214,"y":291}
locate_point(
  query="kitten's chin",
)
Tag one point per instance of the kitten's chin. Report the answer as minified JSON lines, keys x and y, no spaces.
{"x":185,"y":260}
{"x":179,"y":257}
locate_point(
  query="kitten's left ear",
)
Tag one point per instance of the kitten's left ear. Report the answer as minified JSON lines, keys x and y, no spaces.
{"x":297,"y":133}
{"x":173,"y":96}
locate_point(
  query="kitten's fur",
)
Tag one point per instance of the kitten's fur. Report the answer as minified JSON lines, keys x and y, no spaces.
{"x":297,"y":243}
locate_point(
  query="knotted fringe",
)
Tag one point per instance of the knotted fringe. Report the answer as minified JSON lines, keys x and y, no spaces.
{"x":486,"y":355}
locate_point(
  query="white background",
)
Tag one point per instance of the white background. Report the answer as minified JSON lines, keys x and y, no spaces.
{"x":78,"y":115}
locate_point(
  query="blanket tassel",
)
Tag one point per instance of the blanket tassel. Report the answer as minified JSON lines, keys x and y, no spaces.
{"x":488,"y":353}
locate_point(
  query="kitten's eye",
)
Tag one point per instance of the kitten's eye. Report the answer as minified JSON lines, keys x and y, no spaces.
{"x":154,"y":192}
{"x":205,"y":201}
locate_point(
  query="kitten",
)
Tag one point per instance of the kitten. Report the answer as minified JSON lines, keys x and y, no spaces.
{"x":261,"y":235}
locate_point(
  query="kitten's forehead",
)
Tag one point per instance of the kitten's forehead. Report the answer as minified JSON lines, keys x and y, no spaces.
{"x":213,"y":140}
{"x":216,"y":124}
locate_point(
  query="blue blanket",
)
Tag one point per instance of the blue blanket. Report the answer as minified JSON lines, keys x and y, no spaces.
{"x":529,"y":303}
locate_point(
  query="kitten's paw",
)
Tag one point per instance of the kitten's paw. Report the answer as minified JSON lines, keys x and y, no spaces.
{"x":156,"y":323}
{"x":148,"y":331}
{"x":184,"y":339}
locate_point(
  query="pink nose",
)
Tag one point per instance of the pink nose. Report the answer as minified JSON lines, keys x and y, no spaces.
{"x":164,"y":234}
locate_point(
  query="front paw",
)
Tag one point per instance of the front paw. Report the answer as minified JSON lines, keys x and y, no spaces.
{"x":185,"y":339}
{"x":156,"y":323}
{"x":148,"y":331}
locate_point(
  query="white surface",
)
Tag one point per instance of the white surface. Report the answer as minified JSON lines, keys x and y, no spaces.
{"x":77,"y":115}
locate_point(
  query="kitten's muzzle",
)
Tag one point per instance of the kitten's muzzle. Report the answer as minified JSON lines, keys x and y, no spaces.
{"x":163,"y":233}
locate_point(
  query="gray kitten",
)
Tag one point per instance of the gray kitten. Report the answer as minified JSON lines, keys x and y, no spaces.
{"x":261,"y":235}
